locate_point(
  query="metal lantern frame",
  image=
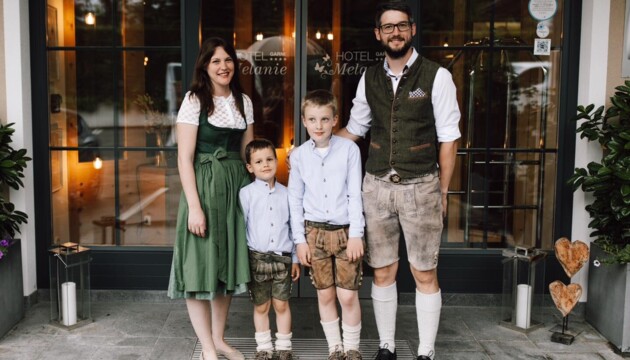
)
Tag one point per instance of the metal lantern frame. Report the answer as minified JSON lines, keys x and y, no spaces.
{"x":523,"y":288}
{"x":70,"y":285}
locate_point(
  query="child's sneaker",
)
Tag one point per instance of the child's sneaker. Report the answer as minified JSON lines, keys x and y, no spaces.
{"x":263,"y":355}
{"x":285,"y":354}
{"x":337,"y":355}
{"x":353,"y":355}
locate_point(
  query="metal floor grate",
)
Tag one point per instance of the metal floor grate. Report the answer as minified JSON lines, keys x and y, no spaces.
{"x":312,"y":349}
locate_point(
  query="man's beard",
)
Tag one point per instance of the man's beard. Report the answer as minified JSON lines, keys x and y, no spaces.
{"x":397,"y":54}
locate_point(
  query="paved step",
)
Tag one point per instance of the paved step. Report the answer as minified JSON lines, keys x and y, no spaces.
{"x":312,"y":349}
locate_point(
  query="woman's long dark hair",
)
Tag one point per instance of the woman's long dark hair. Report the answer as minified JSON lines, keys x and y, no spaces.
{"x":202,"y":85}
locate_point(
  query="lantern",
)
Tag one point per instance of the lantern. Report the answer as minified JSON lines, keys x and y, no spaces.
{"x":523,"y":288}
{"x":70,"y":285}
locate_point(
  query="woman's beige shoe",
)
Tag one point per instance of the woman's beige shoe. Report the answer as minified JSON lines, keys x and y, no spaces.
{"x":232,"y":355}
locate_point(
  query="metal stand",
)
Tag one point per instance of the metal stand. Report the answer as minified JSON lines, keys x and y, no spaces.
{"x":563,"y":337}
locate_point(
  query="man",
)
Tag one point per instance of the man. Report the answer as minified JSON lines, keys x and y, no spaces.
{"x":410,"y":105}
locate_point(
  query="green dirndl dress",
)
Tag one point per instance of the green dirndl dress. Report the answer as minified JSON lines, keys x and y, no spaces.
{"x":218,"y":262}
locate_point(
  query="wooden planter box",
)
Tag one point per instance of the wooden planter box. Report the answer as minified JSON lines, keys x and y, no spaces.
{"x":608,"y":304}
{"x":11,"y":288}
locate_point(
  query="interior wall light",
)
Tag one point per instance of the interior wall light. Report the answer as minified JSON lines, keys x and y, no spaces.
{"x":330,"y":36}
{"x":318,"y":35}
{"x":259,"y":36}
{"x":97,"y":163}
{"x":90,"y":19}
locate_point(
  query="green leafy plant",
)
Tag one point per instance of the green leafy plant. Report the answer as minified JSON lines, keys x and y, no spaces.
{"x":12,"y":165}
{"x":609,"y":179}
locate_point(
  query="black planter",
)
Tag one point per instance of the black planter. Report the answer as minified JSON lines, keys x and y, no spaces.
{"x":11,"y":288}
{"x":608,"y":303}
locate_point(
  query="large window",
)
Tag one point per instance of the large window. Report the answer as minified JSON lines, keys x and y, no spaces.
{"x":115,"y":78}
{"x":503,"y":188}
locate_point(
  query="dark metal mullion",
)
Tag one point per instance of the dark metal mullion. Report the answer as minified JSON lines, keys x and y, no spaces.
{"x":41,"y":139}
{"x":190,"y":30}
{"x":417,"y":10}
{"x":542,"y":159}
{"x":110,"y":48}
{"x":565,"y":162}
{"x":486,"y":199}
{"x":300,"y":78}
{"x":117,"y":63}
{"x":478,"y":47}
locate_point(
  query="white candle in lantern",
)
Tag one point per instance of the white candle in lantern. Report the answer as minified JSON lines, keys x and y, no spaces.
{"x":523,"y":305}
{"x":69,"y":303}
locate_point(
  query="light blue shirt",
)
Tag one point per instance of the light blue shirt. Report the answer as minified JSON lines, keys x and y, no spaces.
{"x":266,"y":213}
{"x":326,"y":187}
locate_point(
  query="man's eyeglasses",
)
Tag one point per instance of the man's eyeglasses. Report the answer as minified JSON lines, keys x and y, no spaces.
{"x":389,"y":28}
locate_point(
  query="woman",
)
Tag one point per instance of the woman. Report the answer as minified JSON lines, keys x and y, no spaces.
{"x":210,"y":261}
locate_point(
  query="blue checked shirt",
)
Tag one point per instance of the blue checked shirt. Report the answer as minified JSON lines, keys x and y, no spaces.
{"x":266,"y":213}
{"x":326,"y":188}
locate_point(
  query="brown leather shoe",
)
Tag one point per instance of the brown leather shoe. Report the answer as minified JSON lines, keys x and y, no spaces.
{"x":353,"y":355}
{"x":337,"y":355}
{"x":263,"y":355}
{"x":285,"y":354}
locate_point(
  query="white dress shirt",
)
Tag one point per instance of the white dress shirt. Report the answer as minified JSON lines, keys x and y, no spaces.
{"x":443,"y":98}
{"x":266,"y":213}
{"x":326,"y":187}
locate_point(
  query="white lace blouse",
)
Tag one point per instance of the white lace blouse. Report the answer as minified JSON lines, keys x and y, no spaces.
{"x":225,"y":113}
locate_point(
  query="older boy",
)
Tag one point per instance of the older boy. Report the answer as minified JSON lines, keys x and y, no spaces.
{"x":273,"y":263}
{"x":327,"y":221}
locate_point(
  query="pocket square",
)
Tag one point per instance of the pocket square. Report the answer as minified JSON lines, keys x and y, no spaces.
{"x":418,"y":93}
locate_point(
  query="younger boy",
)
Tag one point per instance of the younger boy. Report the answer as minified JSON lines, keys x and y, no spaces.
{"x":272,"y":260}
{"x":327,"y":221}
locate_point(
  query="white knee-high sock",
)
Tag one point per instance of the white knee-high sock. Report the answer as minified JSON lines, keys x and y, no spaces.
{"x":428,"y":307}
{"x":333,"y":335}
{"x":283,"y":341}
{"x":263,"y":341}
{"x":385,"y":300}
{"x":351,"y":336}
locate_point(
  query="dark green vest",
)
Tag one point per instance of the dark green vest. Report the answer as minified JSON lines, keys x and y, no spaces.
{"x":403,"y":135}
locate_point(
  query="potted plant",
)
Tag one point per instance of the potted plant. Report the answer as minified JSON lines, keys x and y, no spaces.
{"x":608,"y":180}
{"x":12,"y":165}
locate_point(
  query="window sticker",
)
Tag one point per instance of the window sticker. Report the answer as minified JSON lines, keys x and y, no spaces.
{"x":542,"y":30}
{"x":542,"y":9}
{"x":542,"y":47}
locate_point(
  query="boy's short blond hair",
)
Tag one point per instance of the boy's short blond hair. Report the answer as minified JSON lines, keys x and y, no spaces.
{"x":320,"y":97}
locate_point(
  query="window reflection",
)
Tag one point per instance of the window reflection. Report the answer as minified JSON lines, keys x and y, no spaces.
{"x":263,"y":32}
{"x":101,"y":68}
{"x":96,"y":84}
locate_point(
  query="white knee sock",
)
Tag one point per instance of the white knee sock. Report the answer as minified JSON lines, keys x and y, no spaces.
{"x":351,"y":336}
{"x":428,"y":308}
{"x":385,"y":300}
{"x":333,"y":335}
{"x":283,"y":341}
{"x":263,"y":341}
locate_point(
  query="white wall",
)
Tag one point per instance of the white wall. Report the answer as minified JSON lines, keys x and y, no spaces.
{"x":591,"y":90}
{"x":16,"y":52}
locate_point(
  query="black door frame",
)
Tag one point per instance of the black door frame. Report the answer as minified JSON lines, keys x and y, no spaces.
{"x":148,"y":268}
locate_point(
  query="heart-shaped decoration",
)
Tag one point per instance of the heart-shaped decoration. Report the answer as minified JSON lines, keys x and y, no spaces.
{"x":565,"y":297}
{"x":572,"y":255}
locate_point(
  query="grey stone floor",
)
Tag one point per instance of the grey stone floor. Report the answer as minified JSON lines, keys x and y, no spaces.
{"x":127,"y":328}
